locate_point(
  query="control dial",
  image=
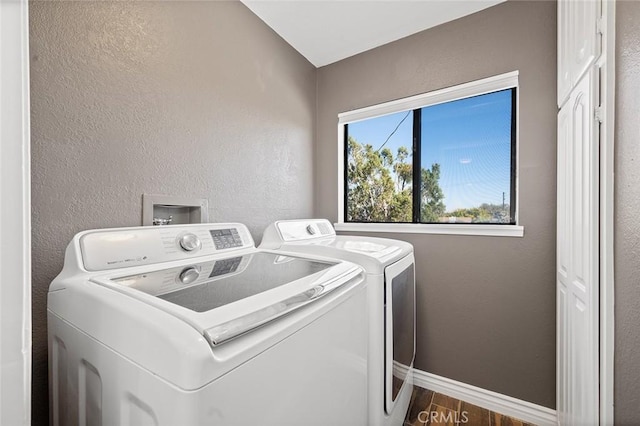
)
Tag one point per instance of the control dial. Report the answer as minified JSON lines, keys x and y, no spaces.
{"x":189,"y":275}
{"x":311,"y":230}
{"x":189,"y":242}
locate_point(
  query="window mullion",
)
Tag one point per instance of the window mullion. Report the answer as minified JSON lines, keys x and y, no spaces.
{"x":345,"y":176}
{"x":417,"y":141}
{"x":512,"y":200}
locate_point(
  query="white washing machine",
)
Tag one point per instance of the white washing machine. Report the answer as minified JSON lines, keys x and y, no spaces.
{"x":389,"y":265}
{"x":192,"y":325}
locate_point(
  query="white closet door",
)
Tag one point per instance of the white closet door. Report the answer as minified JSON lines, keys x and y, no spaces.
{"x":577,"y":260}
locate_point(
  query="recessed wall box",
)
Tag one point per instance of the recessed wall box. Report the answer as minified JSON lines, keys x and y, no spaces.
{"x":170,"y":210}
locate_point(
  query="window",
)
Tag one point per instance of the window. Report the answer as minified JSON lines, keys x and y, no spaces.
{"x":438,"y":160}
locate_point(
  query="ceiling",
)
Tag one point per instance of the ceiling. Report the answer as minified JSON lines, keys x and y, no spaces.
{"x":326,"y":31}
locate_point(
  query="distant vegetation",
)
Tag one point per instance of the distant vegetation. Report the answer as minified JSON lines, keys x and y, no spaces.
{"x":486,"y":213}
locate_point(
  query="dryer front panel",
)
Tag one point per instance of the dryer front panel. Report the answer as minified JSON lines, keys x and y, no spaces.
{"x":399,"y":327}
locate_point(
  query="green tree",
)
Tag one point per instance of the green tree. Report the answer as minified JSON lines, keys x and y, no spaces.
{"x":403,"y":170}
{"x":371,"y":187}
{"x":380,"y":187}
{"x":365,"y":183}
{"x":432,"y":206}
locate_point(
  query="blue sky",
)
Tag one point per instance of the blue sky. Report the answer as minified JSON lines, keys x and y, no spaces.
{"x":469,"y":138}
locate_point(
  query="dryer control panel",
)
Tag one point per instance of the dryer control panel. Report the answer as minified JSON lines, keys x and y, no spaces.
{"x":108,"y":249}
{"x":286,"y":231}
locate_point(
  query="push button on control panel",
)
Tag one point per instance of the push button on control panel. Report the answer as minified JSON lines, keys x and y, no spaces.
{"x":189,"y":275}
{"x":189,"y":242}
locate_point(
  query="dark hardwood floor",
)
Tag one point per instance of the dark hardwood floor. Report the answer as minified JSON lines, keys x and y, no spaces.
{"x":432,"y":408}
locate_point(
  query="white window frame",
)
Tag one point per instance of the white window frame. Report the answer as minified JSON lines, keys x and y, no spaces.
{"x":15,"y":212}
{"x":466,"y":90}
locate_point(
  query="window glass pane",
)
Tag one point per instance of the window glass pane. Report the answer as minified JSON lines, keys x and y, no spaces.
{"x":379,"y":169}
{"x":466,"y":160}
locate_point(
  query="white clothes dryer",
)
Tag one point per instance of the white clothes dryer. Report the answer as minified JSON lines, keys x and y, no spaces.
{"x":192,"y":325}
{"x":389,"y":265}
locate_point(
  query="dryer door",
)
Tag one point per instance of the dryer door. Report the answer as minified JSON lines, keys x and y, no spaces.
{"x":400,"y":322}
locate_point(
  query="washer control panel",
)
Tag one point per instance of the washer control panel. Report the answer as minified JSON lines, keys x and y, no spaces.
{"x":123,"y":247}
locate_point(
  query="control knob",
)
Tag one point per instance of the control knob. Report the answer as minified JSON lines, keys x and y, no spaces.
{"x":189,"y":275}
{"x":311,"y":230}
{"x":189,"y":242}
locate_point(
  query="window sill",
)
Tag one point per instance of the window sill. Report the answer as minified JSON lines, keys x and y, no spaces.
{"x":443,"y":229}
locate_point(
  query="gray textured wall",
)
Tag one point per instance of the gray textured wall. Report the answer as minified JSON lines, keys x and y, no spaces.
{"x":627,"y":206}
{"x":194,"y":99}
{"x":486,"y":305}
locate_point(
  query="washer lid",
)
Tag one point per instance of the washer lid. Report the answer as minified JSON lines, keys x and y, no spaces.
{"x":226,"y":297}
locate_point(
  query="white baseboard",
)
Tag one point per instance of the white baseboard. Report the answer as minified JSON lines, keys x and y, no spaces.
{"x":490,"y":400}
